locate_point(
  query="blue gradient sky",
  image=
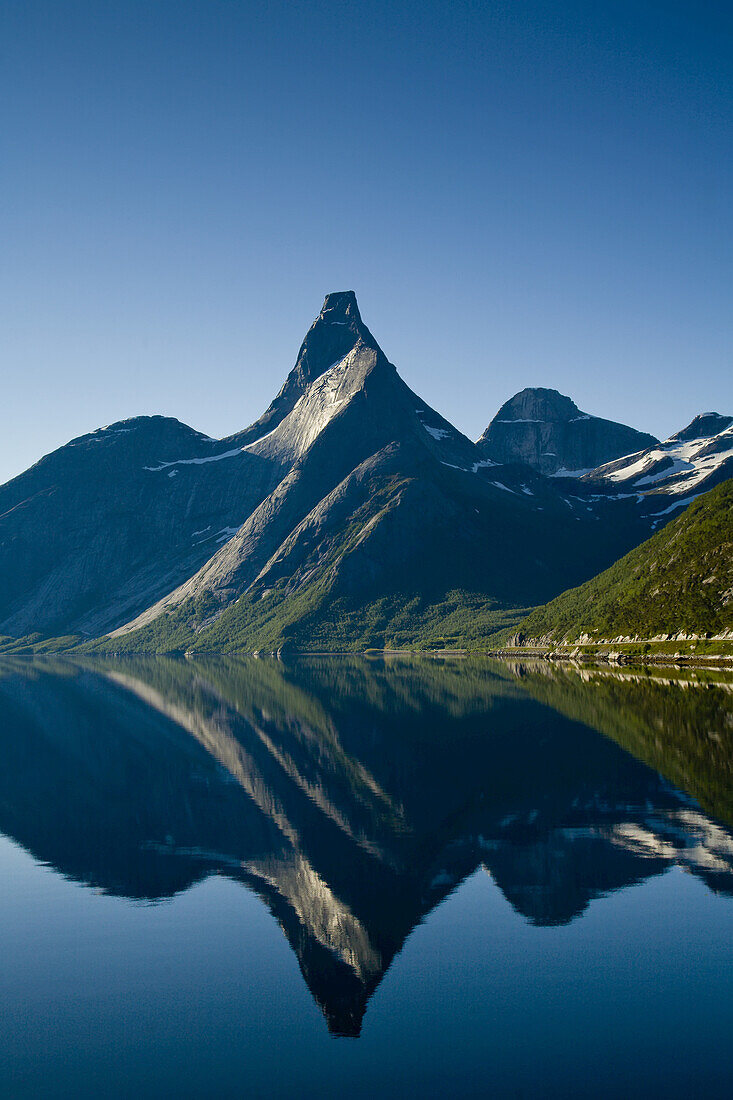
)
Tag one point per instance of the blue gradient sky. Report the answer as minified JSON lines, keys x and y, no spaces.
{"x":520,"y":194}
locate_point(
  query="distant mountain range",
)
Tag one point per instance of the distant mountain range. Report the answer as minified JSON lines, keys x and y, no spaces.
{"x":349,"y":515}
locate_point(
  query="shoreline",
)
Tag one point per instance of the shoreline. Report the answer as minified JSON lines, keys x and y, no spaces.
{"x":608,"y":655}
{"x":613,"y":656}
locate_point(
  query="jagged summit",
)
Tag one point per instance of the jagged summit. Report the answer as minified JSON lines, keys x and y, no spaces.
{"x":546,"y":430}
{"x":336,"y":331}
{"x":342,"y":304}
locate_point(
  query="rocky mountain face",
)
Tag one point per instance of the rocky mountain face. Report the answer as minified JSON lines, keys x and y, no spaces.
{"x":350,"y":515}
{"x":333,"y":334}
{"x":547,"y":431}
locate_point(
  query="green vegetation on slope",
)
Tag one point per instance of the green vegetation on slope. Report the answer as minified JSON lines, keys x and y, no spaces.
{"x":300,"y":621}
{"x":458,"y":620}
{"x":31,"y":644}
{"x":680,"y":724}
{"x":681,"y":579}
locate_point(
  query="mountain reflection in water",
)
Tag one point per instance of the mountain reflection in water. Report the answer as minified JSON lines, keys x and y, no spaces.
{"x":353,"y":796}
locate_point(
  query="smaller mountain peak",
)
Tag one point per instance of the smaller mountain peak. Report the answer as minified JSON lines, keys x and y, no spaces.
{"x":537,"y":403}
{"x":704,"y":426}
{"x":546,"y":430}
{"x":147,"y":426}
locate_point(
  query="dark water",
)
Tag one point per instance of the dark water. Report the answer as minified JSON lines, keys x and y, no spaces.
{"x":352,"y":878}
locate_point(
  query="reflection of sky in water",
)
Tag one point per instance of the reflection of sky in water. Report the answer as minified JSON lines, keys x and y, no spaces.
{"x":512,"y":924}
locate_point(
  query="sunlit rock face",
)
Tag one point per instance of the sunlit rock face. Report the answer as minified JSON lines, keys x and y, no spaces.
{"x":354,"y":796}
{"x":547,"y":431}
{"x":334,"y":334}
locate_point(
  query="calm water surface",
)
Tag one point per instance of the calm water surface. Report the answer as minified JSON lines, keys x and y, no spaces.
{"x":351,"y":878}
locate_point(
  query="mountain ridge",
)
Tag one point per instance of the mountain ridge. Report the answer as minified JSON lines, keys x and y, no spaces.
{"x":350,"y":512}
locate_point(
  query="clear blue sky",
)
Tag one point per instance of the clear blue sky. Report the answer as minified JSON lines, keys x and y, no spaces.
{"x":520,"y":193}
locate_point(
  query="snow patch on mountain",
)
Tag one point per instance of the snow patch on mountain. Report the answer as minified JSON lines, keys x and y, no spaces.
{"x":249,"y":446}
{"x":675,"y":466}
{"x":437,"y":433}
{"x":563,"y":472}
{"x":194,"y":461}
{"x":222,"y":535}
{"x":682,"y":503}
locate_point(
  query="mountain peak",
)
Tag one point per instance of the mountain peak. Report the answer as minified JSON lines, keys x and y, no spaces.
{"x":340,"y":305}
{"x":546,"y":430}
{"x":705,"y":425}
{"x":537,"y":403}
{"x":336,"y":331}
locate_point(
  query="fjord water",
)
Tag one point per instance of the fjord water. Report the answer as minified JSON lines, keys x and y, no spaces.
{"x":347,"y":877}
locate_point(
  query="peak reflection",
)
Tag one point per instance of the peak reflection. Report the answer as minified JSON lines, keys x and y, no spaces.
{"x":353,"y":796}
